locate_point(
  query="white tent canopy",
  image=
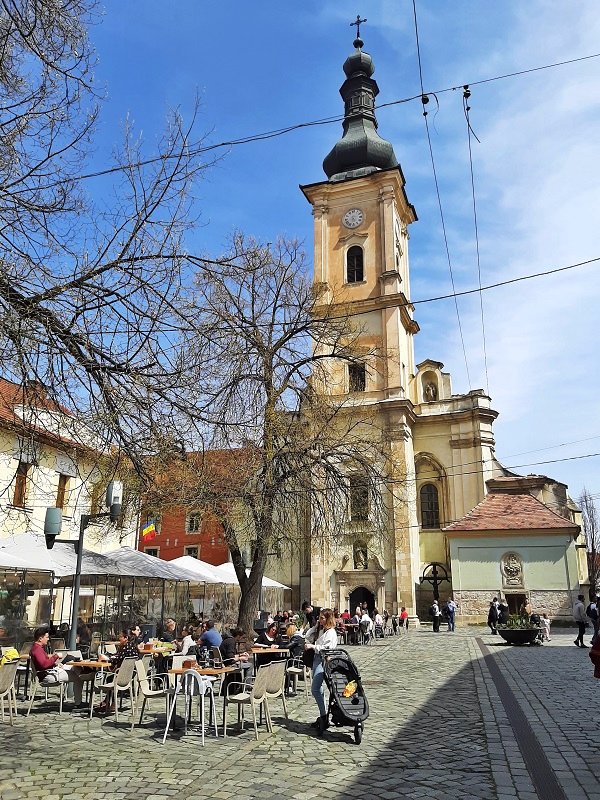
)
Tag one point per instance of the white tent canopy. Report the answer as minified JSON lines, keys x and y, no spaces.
{"x":30,"y":550}
{"x":224,"y":573}
{"x":205,"y":571}
{"x":137,"y":564}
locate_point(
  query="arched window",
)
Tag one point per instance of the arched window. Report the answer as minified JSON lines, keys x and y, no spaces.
{"x":430,"y":507}
{"x":354,"y":264}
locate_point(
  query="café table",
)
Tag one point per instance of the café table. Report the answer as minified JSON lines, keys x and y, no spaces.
{"x":97,"y":666}
{"x":352,"y":629}
{"x":280,"y":652}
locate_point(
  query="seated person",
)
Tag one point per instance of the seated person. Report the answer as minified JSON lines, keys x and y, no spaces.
{"x":49,"y":670}
{"x":127,"y":648}
{"x":296,"y":641}
{"x":168,"y":634}
{"x":345,"y":616}
{"x":229,"y":648}
{"x":268,"y":639}
{"x":211,"y":636}
{"x":188,"y":642}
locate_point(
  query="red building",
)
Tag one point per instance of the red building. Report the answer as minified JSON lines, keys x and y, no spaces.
{"x":183,"y":531}
{"x":180,"y":532}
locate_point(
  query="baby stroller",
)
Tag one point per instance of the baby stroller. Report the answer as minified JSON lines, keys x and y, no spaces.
{"x":339,"y":670}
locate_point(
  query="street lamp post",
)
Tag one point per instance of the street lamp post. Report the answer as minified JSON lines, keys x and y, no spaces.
{"x":52,"y":526}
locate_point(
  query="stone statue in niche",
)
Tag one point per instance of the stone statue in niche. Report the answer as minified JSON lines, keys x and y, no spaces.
{"x":511,"y":567}
{"x":430,"y":392}
{"x":360,"y":556}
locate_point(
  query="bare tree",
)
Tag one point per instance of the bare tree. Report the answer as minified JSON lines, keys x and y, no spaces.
{"x":88,"y":289}
{"x":282,"y":457}
{"x":591,"y":529}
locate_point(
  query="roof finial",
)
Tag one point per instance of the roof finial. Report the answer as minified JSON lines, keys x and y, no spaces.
{"x":358,"y":42}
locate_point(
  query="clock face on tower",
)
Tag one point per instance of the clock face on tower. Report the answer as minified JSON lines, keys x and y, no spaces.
{"x":353,"y":218}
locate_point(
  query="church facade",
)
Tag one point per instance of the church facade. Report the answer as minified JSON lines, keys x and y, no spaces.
{"x":440,"y":445}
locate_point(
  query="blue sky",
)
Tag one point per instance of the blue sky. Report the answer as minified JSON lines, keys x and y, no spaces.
{"x":265,"y":65}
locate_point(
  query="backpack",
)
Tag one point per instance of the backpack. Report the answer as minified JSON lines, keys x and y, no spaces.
{"x":432,"y":610}
{"x":590,"y":612}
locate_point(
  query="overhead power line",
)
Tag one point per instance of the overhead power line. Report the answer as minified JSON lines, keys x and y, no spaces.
{"x":425,"y":100}
{"x":258,"y":137}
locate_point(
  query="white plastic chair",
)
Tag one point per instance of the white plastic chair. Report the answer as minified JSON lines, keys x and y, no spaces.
{"x":121,"y":683}
{"x":144,"y":687}
{"x":8,"y":674}
{"x":191,"y":685}
{"x":276,"y":687}
{"x":296,"y":668}
{"x":249,"y":694}
{"x":44,"y":683}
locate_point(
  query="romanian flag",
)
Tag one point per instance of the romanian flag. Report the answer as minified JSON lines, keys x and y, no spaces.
{"x":149,"y":531}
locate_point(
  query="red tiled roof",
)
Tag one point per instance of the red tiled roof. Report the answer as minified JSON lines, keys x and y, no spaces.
{"x":505,"y":512}
{"x":14,"y":395}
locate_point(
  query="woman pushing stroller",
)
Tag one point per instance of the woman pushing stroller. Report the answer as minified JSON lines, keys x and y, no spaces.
{"x":321,"y":637}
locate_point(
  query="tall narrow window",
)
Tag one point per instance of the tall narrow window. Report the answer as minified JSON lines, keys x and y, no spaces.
{"x":357,"y":377}
{"x":354,"y":265}
{"x":21,"y":478}
{"x":62,"y":493}
{"x":359,"y":498}
{"x":430,"y":507}
{"x":194,"y":523}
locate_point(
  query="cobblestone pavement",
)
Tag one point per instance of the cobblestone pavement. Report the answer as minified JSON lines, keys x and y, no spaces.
{"x":438,"y":729}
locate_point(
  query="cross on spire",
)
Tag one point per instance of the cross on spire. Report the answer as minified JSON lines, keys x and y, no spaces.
{"x":358,"y":23}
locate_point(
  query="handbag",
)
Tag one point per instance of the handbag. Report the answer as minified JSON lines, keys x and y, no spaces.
{"x":308,"y":658}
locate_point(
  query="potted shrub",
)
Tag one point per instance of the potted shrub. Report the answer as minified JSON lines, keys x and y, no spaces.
{"x":519,"y":630}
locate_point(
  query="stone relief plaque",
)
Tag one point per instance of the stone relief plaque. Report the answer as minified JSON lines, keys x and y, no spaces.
{"x":511,"y":567}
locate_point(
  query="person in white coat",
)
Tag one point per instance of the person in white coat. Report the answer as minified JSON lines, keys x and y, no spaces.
{"x":322,"y":637}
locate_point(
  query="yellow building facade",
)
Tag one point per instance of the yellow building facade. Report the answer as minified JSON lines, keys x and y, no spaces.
{"x":439,"y":445}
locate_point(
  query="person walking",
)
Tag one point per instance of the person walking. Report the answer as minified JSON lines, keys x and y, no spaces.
{"x":492,"y":619}
{"x":580,"y":619}
{"x":546,"y":627}
{"x":451,"y":608}
{"x":592,"y":612}
{"x":321,"y":637}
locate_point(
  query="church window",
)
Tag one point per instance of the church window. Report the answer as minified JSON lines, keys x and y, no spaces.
{"x":357,"y":377}
{"x":354,"y":265}
{"x":359,"y":498}
{"x":430,"y":507}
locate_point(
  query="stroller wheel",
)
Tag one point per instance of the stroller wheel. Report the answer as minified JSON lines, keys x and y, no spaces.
{"x":358,"y":732}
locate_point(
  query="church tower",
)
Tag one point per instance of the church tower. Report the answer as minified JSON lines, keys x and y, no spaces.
{"x":361,"y":218}
{"x":439,"y":446}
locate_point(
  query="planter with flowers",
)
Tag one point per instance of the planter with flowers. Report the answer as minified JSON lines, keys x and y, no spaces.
{"x":519,"y":630}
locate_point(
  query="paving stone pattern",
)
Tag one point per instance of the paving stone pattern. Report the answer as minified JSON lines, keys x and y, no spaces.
{"x":437,"y":730}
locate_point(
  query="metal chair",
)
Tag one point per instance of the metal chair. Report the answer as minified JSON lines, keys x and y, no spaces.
{"x":192,"y":685}
{"x":249,"y":694}
{"x":121,"y":683}
{"x":8,"y":674}
{"x":45,"y":683}
{"x":144,"y":685}
{"x":276,"y":687}
{"x":296,"y":669}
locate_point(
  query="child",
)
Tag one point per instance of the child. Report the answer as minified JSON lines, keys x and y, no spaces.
{"x":546,"y":626}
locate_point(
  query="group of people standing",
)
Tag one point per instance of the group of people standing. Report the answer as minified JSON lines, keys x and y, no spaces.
{"x":447,"y":612}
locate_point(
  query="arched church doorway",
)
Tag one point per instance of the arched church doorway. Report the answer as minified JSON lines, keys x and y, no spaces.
{"x":359,"y":596}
